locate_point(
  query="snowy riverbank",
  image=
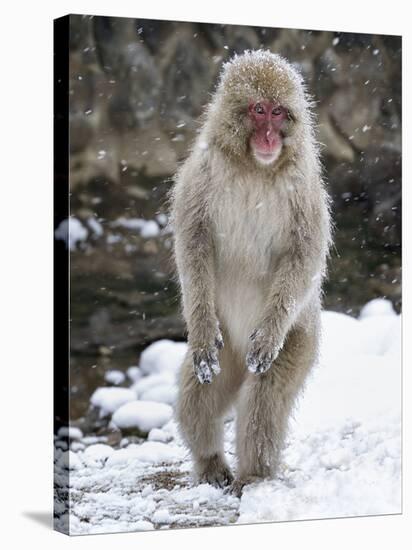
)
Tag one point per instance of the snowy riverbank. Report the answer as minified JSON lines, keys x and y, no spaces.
{"x":342,"y":457}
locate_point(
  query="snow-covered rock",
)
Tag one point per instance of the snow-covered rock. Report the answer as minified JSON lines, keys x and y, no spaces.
{"x":143,"y":415}
{"x":163,"y":356}
{"x":69,"y":461}
{"x":110,"y":399}
{"x":153,"y":381}
{"x":71,"y":231}
{"x":150,"y":229}
{"x":115,"y":377}
{"x":162,"y":393}
{"x":77,"y":446}
{"x":157,"y":434}
{"x":70,"y":431}
{"x":377,"y":307}
{"x":134,"y":373}
{"x":95,"y":226}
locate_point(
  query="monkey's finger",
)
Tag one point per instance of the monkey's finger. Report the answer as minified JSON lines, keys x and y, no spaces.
{"x":263,"y":367}
{"x":252,"y":337}
{"x":215,"y":367}
{"x":213,"y":361}
{"x":258,"y":363}
{"x":203,"y":372}
{"x":204,"y":377}
{"x":219,"y":342}
{"x":252,"y":361}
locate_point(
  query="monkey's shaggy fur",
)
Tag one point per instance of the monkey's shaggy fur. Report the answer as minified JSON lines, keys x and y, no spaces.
{"x":251,"y":243}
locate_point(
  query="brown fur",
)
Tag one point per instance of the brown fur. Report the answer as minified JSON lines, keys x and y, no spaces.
{"x":251,"y":243}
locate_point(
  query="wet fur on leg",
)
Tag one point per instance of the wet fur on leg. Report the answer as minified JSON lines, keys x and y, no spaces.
{"x":214,"y":470}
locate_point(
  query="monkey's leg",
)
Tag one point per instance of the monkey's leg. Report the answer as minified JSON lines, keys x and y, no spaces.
{"x":200,"y":410}
{"x":265,"y":403}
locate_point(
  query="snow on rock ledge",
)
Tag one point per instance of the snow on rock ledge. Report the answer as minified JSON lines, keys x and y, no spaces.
{"x":142,"y":415}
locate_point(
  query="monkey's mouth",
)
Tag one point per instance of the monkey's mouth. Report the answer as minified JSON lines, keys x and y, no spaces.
{"x":267,"y":157}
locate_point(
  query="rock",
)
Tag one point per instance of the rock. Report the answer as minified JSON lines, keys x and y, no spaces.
{"x":336,"y":145}
{"x":154,"y":34}
{"x":70,"y":432}
{"x":185,"y":71}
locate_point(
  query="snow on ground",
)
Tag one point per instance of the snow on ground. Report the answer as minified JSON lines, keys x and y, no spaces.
{"x":342,"y":457}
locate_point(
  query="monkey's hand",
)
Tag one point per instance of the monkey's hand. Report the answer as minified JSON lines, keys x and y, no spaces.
{"x":205,"y":364}
{"x":205,"y":360}
{"x":263,"y":350}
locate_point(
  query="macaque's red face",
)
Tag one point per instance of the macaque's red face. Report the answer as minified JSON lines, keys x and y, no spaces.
{"x":267,"y":119}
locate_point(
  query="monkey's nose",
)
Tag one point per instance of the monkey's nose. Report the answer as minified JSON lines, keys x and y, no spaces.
{"x":270,"y":137}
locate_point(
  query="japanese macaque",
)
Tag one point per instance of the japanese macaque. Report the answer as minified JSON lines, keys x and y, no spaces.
{"x":252,"y":231}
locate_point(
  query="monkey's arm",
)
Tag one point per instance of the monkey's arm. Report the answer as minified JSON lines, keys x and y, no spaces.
{"x":195,"y":263}
{"x":298,"y":275}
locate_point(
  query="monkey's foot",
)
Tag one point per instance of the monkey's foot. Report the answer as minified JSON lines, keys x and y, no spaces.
{"x":236,"y":488}
{"x":219,"y":338}
{"x":215,"y":471}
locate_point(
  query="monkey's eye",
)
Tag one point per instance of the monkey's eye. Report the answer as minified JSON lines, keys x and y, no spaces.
{"x":277,"y":111}
{"x":259,"y":109}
